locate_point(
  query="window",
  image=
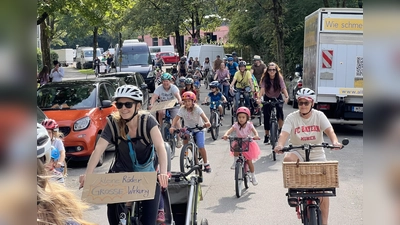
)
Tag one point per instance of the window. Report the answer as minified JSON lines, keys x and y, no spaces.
{"x":111,"y":90}
{"x":103,"y":93}
{"x":155,"y":41}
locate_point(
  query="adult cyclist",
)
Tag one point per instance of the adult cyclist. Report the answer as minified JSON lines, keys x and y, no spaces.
{"x":241,"y":81}
{"x":182,"y":67}
{"x":307,"y":126}
{"x":232,"y":67}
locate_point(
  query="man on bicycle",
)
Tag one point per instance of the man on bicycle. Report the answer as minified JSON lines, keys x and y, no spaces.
{"x":232,"y":67}
{"x":182,"y":67}
{"x":241,"y":81}
{"x":307,"y":126}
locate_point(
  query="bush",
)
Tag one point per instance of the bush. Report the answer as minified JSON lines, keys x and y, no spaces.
{"x":53,"y":56}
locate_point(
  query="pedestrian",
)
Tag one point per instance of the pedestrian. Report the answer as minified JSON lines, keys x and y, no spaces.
{"x":97,"y":63}
{"x":109,"y":60}
{"x":57,"y":73}
{"x":258,"y":68}
{"x":43,"y":76}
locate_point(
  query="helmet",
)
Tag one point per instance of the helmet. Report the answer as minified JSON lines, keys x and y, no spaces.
{"x":190,"y":71}
{"x":230,"y":59}
{"x":214,"y":84}
{"x":182,"y":79}
{"x":55,"y":153}
{"x":166,"y":76}
{"x":197,"y":68}
{"x":43,"y":143}
{"x":188,"y":95}
{"x":234,"y":54}
{"x":243,"y":110}
{"x":188,"y":81}
{"x":183,"y":58}
{"x":128,"y":91}
{"x":50,"y":124}
{"x":306,"y":93}
{"x":242,"y":63}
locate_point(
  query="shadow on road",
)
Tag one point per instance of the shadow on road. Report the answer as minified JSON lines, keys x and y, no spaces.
{"x":349,"y":130}
{"x":230,"y":204}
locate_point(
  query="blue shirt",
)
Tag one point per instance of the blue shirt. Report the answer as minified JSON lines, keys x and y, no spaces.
{"x":215,"y":98}
{"x":232,"y":68}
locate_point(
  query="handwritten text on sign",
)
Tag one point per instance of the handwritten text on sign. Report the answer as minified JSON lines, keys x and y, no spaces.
{"x":119,"y":187}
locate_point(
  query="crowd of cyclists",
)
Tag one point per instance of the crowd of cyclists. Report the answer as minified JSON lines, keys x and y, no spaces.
{"x":229,"y":77}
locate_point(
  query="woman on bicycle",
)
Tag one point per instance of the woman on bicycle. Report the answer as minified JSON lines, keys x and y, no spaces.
{"x":307,"y":126}
{"x":272,"y":84}
{"x":193,"y":115}
{"x":244,"y":128}
{"x":222,"y":76}
{"x":128,"y":100}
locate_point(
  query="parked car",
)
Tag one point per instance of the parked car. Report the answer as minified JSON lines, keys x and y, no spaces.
{"x":80,"y":108}
{"x":169,"y":57}
{"x":132,"y":78}
{"x":295,"y":84}
{"x":40,"y":115}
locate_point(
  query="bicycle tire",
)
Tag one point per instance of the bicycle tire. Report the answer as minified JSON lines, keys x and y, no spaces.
{"x":273,"y":137}
{"x":214,"y":126}
{"x":204,"y":221}
{"x":246,"y":175}
{"x":238,"y":179}
{"x":164,"y":129}
{"x":233,"y":115}
{"x":186,"y":157}
{"x":313,"y":216}
{"x":259,"y":119}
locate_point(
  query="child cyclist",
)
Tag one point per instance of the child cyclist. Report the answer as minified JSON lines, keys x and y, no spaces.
{"x":56,"y":141}
{"x":216,"y":96}
{"x":55,"y":175}
{"x":189,"y":86}
{"x":244,"y":128}
{"x":193,"y":115}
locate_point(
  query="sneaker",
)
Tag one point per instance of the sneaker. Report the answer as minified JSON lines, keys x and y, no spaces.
{"x":266,"y":139}
{"x":254,"y":180}
{"x":233,"y":165}
{"x":160,"y":217}
{"x":207,"y":168}
{"x":179,"y":144}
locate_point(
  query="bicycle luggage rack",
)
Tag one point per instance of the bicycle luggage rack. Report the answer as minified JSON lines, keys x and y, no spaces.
{"x":311,"y":192}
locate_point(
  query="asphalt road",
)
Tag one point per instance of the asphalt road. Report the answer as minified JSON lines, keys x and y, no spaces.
{"x":262,"y":204}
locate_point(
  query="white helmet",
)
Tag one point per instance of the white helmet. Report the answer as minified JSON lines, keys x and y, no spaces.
{"x":43,"y":144}
{"x":129,"y":91}
{"x":306,"y":93}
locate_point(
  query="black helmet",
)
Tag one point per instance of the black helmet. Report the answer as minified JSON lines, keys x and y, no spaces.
{"x":234,"y":54}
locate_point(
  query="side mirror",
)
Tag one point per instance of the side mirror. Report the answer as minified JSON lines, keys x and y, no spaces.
{"x":290,"y":78}
{"x":106,"y":103}
{"x":143,"y":86}
{"x":345,"y":141}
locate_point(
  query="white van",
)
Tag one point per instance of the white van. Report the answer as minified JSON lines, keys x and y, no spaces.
{"x":203,"y":51}
{"x":163,"y":48}
{"x":84,"y":57}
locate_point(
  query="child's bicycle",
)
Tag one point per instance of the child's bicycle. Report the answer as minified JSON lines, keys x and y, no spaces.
{"x":242,"y":172}
{"x":308,"y":181}
{"x":273,"y":124}
{"x":171,"y":139}
{"x":214,"y":119}
{"x":241,"y":102}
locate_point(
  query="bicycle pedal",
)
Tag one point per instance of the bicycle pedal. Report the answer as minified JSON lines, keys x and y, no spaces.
{"x":293,"y":202}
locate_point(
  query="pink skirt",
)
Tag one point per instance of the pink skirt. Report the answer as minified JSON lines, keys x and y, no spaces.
{"x":253,"y":153}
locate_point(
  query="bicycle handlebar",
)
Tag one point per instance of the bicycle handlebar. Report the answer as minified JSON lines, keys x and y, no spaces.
{"x":310,"y":146}
{"x":209,"y":103}
{"x":197,"y":127}
{"x":276,"y":101}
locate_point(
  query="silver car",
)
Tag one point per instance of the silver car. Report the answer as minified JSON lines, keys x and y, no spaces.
{"x":295,"y":84}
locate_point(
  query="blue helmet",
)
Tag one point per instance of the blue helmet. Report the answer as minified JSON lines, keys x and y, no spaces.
{"x":230,"y":59}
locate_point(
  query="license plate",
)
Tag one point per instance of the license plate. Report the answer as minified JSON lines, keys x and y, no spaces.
{"x":357,"y":109}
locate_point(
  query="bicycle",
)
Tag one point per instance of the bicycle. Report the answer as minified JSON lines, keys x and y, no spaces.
{"x":171,"y":139}
{"x":190,"y":155}
{"x":273,"y":124}
{"x":214,"y":119}
{"x":240,"y":103}
{"x":242,"y":172}
{"x":308,"y":181}
{"x":229,"y":102}
{"x":207,"y":77}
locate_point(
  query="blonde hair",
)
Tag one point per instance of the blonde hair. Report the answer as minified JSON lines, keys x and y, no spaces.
{"x":57,"y":205}
{"x":57,"y":134}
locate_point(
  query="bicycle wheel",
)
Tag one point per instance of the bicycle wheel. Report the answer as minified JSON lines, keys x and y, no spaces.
{"x":187,"y":158}
{"x":165,"y":130}
{"x":312,"y":218}
{"x":214,"y":126}
{"x":246,"y":175}
{"x":273,"y":137}
{"x":238,"y":179}
{"x":233,"y":115}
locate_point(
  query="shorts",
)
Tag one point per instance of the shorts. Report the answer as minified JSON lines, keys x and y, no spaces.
{"x":200,"y":137}
{"x":318,"y":156}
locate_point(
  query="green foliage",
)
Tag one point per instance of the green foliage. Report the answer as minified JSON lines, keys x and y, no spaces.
{"x":53,"y":56}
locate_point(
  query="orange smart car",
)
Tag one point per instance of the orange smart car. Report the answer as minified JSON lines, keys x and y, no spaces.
{"x":80,"y":109}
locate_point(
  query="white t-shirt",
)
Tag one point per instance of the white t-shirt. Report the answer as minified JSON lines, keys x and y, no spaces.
{"x":191,"y":118}
{"x":307,"y":131}
{"x":166,"y":95}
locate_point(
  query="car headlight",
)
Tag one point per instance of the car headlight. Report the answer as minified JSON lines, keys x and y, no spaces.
{"x":82,"y":124}
{"x":150,"y":75}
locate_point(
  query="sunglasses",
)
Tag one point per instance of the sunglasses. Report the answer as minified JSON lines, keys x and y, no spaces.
{"x":303,"y":103}
{"x":127,"y":105}
{"x":271,"y":69}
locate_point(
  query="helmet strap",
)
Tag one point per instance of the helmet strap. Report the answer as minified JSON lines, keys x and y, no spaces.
{"x":304,"y":114}
{"x":134,"y":114}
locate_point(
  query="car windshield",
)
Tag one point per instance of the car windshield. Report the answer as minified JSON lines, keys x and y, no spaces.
{"x":89,"y":53}
{"x":135,"y":56}
{"x":82,"y":96}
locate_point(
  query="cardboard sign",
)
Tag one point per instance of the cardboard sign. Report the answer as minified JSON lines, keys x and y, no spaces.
{"x":119,"y":187}
{"x":163,"y":105}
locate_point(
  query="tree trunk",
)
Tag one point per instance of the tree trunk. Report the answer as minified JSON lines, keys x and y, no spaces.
{"x":95,"y":34}
{"x":326,"y":3}
{"x":178,"y":42}
{"x":197,"y":19}
{"x":45,"y":45}
{"x":343,"y":3}
{"x":277,"y":18}
{"x":337,"y":3}
{"x":193,"y":34}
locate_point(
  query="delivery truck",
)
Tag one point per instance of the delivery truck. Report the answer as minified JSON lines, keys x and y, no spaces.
{"x":333,"y":62}
{"x":65,"y":56}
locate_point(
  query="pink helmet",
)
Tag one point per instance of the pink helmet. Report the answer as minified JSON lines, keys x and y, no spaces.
{"x":50,"y":124}
{"x":189,"y":95}
{"x":243,"y":110}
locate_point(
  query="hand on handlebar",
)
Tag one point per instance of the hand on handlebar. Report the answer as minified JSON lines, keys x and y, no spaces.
{"x":207,"y":125}
{"x":225,"y":137}
{"x":278,"y":149}
{"x":163,"y":180}
{"x":256,"y":138}
{"x":338,"y":145}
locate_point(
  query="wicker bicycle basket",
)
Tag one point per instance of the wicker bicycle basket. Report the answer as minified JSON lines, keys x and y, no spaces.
{"x":310,"y":174}
{"x":239,"y":144}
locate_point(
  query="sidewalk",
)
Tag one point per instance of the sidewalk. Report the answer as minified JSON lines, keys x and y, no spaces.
{"x":71,"y":73}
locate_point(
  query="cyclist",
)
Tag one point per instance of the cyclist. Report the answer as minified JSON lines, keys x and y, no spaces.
{"x":56,"y":141}
{"x":188,"y":87}
{"x":206,"y":67}
{"x":217,"y":63}
{"x":129,"y":100}
{"x":182,"y":67}
{"x":217,"y":97}
{"x":193,"y":115}
{"x":232,"y":67}
{"x":258,"y":68}
{"x":220,"y":76}
{"x":235,"y":57}
{"x":241,"y":80}
{"x":272,"y":84}
{"x":243,"y":129}
{"x":307,"y":126}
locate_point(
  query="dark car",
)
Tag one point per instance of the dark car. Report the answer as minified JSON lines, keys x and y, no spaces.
{"x":40,"y":115}
{"x":132,"y":78}
{"x":80,"y":108}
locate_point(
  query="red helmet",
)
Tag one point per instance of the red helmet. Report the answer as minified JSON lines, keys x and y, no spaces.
{"x":189,"y":95}
{"x":243,"y":110}
{"x":50,"y":124}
